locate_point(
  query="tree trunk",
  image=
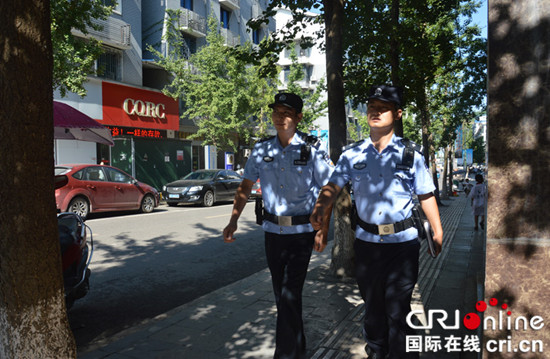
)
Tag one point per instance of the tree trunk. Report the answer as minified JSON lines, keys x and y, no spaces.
{"x":394,"y":57}
{"x":33,"y":319}
{"x":342,"y":262}
{"x":334,"y":17}
{"x":343,"y":254}
{"x":444,"y":188}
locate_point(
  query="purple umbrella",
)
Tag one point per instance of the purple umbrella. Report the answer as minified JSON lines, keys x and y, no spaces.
{"x":71,"y":124}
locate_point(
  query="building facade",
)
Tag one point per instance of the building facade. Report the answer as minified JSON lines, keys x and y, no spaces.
{"x":151,"y":139}
{"x":313,"y":62}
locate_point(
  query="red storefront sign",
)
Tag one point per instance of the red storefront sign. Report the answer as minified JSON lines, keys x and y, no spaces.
{"x":126,"y":106}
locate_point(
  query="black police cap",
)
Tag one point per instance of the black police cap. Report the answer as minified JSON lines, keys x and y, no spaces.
{"x":289,"y":100}
{"x":392,"y":94}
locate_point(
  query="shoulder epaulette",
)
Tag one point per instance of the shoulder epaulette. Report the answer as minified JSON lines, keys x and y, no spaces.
{"x":351,"y":145}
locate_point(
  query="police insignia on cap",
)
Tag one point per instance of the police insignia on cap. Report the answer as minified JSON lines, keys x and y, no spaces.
{"x":282,"y":98}
{"x":378,"y":92}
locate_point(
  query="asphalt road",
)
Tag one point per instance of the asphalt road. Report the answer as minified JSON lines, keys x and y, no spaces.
{"x":147,"y":264}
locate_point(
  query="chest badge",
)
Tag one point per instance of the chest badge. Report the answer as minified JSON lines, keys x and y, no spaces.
{"x":300,"y":163}
{"x":268,"y":159}
{"x":360,"y":166}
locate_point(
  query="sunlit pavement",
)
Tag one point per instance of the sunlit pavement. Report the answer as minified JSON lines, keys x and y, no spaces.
{"x":238,"y":321}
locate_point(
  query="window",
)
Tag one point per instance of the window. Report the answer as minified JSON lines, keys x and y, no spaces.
{"x":94,"y":174}
{"x":308,"y":70}
{"x":190,"y":46}
{"x":288,"y":51}
{"x":233,"y":175}
{"x":109,"y":65}
{"x":305,"y":52}
{"x":286,"y":72}
{"x":256,"y":36}
{"x":117,"y":176}
{"x":116,"y":4}
{"x":225,"y":16}
{"x":187,"y":4}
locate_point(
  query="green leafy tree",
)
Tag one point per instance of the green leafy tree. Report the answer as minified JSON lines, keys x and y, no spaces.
{"x":477,"y":144}
{"x":399,"y":42}
{"x":226,"y":98}
{"x":439,"y":54}
{"x":74,"y":57}
{"x":313,"y":106}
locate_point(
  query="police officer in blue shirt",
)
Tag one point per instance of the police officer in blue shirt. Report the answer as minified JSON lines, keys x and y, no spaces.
{"x":292,"y":170}
{"x":386,"y":248}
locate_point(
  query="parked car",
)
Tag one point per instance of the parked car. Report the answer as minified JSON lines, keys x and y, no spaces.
{"x":203,"y":187}
{"x":88,"y":189}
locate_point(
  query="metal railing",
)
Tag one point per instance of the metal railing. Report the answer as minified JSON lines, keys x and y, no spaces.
{"x":193,"y":23}
{"x":113,"y":32}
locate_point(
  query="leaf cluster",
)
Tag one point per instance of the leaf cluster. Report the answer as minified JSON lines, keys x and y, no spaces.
{"x":442,"y":58}
{"x":74,"y":57}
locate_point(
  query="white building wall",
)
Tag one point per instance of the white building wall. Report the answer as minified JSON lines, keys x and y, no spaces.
{"x":72,"y":152}
{"x":316,"y":58}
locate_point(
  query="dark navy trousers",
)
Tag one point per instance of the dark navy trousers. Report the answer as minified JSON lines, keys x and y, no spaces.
{"x":386,"y":274}
{"x":288,"y":259}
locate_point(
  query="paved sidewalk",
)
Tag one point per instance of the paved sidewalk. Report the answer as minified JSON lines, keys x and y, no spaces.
{"x":238,"y":321}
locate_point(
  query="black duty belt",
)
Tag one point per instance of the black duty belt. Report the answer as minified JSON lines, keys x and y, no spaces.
{"x":286,"y":221}
{"x":384,"y":229}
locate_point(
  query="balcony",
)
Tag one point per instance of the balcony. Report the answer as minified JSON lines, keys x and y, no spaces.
{"x":230,"y":4}
{"x":192,"y":23}
{"x":113,"y":32}
{"x":231,"y":39}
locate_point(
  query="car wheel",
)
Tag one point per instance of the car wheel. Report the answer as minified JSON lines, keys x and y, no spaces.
{"x":80,"y":206}
{"x":147,"y":204}
{"x":208,"y":199}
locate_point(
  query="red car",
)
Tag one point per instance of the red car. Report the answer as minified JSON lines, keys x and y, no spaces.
{"x":256,"y":189}
{"x":85,"y":189}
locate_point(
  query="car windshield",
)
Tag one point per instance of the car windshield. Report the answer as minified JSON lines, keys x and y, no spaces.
{"x":203,"y":175}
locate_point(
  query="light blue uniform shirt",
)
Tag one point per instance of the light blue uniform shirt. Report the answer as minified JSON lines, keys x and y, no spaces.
{"x":383,"y":192}
{"x":289,"y":188}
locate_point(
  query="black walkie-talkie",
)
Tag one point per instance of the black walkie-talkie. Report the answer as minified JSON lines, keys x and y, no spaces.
{"x":259,"y":210}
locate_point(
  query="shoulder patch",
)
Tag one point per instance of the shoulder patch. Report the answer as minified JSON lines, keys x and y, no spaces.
{"x":355,"y":144}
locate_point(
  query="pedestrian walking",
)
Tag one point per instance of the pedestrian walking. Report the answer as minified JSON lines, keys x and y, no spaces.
{"x":385,"y":171}
{"x":477,"y":196}
{"x":292,"y":170}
